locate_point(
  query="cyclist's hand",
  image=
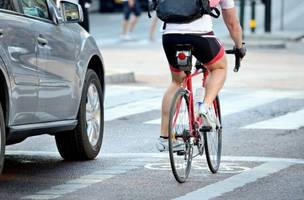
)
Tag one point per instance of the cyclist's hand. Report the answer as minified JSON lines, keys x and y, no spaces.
{"x":241,"y":52}
{"x":87,"y":5}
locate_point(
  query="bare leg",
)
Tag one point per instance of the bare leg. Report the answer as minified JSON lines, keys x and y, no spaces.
{"x":216,"y":79}
{"x":177,"y":80}
{"x":125,"y":27}
{"x":152,"y":28}
{"x":133,"y":22}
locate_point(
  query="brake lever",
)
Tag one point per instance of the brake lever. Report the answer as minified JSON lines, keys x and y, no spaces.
{"x":237,"y":59}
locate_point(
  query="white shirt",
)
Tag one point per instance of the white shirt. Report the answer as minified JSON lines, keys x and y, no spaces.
{"x":201,"y":25}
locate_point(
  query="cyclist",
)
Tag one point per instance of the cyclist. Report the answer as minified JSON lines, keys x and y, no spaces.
{"x":208,"y":50}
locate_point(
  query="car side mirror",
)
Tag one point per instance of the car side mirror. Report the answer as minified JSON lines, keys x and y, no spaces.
{"x":71,"y":12}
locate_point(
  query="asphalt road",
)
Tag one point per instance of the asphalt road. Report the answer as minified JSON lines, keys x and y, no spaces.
{"x":262,"y":153}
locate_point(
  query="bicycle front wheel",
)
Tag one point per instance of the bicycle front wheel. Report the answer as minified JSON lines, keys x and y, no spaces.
{"x":180,"y":147}
{"x":213,"y":141}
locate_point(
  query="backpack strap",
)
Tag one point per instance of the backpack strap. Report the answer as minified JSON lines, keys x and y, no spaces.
{"x":152,"y":4}
{"x":217,"y":13}
{"x":208,"y":10}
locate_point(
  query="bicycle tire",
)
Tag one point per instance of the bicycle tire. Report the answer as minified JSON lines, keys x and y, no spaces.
{"x":213,"y":142}
{"x":179,"y":136}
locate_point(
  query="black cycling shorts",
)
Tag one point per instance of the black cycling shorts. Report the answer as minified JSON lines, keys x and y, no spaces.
{"x":206,"y":48}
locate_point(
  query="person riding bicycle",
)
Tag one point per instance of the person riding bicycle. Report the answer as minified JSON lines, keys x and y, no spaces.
{"x":208,"y":50}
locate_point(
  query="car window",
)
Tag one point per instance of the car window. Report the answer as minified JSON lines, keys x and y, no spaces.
{"x":36,"y":8}
{"x":6,"y":5}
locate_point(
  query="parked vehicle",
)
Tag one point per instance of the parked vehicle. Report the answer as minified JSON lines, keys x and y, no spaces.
{"x":51,"y":78}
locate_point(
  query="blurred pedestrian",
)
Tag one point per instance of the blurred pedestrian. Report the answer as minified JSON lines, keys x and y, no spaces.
{"x":152,"y":29}
{"x":85,"y":5}
{"x":130,"y":6}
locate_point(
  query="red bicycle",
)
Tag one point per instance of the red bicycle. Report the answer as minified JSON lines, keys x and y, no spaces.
{"x":185,"y":126}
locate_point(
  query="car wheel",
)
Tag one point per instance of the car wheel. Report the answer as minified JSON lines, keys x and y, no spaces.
{"x":2,"y":139}
{"x":84,"y":142}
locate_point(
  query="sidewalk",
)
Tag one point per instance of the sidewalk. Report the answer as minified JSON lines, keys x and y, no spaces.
{"x":144,"y":61}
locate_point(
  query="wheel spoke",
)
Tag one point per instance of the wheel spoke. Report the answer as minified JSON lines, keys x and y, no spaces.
{"x":96,"y":106}
{"x":179,"y":127}
{"x":213,"y":140}
{"x":96,"y":128}
{"x":89,"y":130}
{"x":93,"y":115}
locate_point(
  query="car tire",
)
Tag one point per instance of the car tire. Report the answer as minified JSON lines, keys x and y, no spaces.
{"x":2,"y":139}
{"x":80,"y":143}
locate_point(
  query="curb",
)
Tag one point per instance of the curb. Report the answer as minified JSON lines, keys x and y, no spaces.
{"x":117,"y":78}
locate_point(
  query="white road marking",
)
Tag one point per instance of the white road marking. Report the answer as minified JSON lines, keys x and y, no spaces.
{"x":219,"y":188}
{"x":239,"y":103}
{"x":138,"y":160}
{"x":123,"y":91}
{"x":198,"y":164}
{"x":154,"y":121}
{"x":152,"y":156}
{"x":42,"y":197}
{"x":132,"y":109}
{"x":79,"y":183}
{"x":292,"y":120}
{"x":122,"y":101}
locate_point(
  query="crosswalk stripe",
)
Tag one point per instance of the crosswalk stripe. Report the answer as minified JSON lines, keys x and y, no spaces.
{"x":122,"y":101}
{"x":80,"y":183}
{"x":292,"y":120}
{"x":245,"y":102}
{"x":219,"y":188}
{"x":238,"y":103}
{"x":132,"y":108}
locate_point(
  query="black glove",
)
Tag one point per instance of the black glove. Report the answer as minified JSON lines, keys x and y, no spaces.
{"x":241,"y":52}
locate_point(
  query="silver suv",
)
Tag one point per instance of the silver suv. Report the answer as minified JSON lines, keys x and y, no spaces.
{"x":51,"y":78}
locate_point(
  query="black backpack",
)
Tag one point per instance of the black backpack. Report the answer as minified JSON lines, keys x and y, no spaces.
{"x":182,"y":11}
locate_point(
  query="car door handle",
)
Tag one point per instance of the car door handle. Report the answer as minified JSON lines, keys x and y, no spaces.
{"x":42,"y":41}
{"x":1,"y":32}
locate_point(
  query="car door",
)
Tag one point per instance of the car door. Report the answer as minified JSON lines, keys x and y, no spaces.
{"x":56,"y":65}
{"x":18,"y":43}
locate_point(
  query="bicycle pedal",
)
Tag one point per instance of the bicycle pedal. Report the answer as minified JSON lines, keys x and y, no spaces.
{"x":205,"y":129}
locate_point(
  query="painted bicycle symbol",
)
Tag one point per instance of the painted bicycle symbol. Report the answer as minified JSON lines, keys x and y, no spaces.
{"x":225,"y":168}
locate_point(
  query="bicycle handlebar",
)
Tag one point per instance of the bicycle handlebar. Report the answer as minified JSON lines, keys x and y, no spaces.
{"x":237,"y":59}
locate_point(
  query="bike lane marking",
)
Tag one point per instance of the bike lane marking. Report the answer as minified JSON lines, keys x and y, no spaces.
{"x":225,"y":167}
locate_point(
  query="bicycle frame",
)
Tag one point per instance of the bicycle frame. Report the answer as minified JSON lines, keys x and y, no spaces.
{"x":189,"y":87}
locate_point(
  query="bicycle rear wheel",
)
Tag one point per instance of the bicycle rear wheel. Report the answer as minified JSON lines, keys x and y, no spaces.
{"x":213,"y":141}
{"x":180,"y":147}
